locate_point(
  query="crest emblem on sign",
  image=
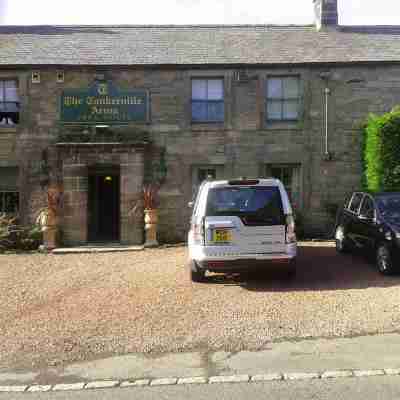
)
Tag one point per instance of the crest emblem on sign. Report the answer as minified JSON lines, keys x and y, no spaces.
{"x":102,"y":89}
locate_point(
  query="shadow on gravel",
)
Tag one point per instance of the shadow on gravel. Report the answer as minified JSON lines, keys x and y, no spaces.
{"x":318,"y":268}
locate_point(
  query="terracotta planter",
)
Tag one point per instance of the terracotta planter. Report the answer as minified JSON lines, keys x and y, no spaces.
{"x":151,"y":220}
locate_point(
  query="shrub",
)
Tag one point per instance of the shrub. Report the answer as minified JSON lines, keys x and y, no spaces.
{"x":16,"y":237}
{"x":381,"y":150}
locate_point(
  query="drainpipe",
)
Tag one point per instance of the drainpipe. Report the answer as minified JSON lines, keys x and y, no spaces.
{"x":325,"y":77}
{"x":327,"y":94}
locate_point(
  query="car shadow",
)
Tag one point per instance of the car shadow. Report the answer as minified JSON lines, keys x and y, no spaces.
{"x":318,"y":268}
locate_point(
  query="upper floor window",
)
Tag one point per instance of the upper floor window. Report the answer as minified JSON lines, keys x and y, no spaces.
{"x":208,"y":100}
{"x":283,"y":98}
{"x":9,"y":102}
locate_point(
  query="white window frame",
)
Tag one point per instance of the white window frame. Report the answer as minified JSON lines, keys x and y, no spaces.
{"x":5,"y":101}
{"x":283,"y":99}
{"x":207,"y":100}
{"x":295,"y":187}
{"x":219,"y":172}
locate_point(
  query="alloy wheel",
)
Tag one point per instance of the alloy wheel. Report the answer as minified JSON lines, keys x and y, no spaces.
{"x":383,"y":259}
{"x":339,"y":237}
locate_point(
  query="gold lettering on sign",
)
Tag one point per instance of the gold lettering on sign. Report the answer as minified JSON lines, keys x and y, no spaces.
{"x":72,"y":101}
{"x":112,"y":101}
{"x":104,"y":111}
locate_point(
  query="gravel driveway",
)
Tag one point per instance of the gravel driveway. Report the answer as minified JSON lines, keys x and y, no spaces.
{"x":57,"y":309}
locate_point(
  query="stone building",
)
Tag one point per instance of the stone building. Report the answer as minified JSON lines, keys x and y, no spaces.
{"x":99,"y":110}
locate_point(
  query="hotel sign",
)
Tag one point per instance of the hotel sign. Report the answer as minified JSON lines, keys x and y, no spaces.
{"x":103,"y":103}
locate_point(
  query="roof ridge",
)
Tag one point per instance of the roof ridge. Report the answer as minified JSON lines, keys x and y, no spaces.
{"x":162,"y":26}
{"x":370,"y":26}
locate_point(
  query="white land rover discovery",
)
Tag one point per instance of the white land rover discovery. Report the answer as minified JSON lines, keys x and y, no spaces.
{"x":241,"y":224}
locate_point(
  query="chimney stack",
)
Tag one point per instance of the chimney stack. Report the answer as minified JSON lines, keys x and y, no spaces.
{"x":326,"y":14}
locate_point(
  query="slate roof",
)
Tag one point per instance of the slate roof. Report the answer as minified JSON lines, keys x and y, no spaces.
{"x":196,"y":45}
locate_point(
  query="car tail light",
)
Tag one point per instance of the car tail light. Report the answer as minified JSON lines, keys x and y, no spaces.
{"x":290,"y":229}
{"x":198,"y":232}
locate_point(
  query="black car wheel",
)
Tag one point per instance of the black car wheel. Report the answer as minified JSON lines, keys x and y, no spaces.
{"x":292,"y":269}
{"x":196,"y":274}
{"x":342,"y":244}
{"x":384,"y":260}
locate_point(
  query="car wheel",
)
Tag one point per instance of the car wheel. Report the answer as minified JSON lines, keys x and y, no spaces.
{"x":342,"y":244}
{"x":292,"y":270}
{"x":196,"y":274}
{"x":384,"y":260}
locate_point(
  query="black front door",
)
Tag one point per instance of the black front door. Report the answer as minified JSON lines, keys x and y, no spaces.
{"x":104,"y":200}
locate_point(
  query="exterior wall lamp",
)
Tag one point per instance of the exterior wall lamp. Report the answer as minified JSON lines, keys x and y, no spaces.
{"x":160,"y":169}
{"x":44,"y":169}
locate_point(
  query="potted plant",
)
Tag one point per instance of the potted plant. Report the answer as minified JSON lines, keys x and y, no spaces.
{"x":48,"y":218}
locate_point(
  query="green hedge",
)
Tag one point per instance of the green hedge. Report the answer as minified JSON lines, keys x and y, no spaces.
{"x":381,"y":152}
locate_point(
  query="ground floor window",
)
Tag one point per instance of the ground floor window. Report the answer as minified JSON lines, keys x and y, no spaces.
{"x":9,"y":202}
{"x":289,"y":175}
{"x":9,"y":196}
{"x":202,"y":172}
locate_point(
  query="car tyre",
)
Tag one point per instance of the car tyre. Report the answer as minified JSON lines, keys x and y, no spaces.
{"x":384,"y":261}
{"x":341,"y":241}
{"x":292,"y":270}
{"x":196,"y":274}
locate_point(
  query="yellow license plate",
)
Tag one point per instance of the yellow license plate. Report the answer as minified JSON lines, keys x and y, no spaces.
{"x":222,"y":236}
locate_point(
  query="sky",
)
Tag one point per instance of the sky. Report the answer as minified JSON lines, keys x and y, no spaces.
{"x":95,"y":12}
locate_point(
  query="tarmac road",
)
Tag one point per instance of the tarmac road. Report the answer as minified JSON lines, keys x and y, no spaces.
{"x":372,"y":388}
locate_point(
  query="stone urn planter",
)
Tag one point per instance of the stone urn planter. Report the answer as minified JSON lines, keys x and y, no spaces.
{"x":148,"y":204}
{"x":48,"y":219}
{"x":49,"y":224}
{"x":151,"y":220}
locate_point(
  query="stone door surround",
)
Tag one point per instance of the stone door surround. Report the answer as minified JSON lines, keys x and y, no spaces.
{"x":76,"y":160}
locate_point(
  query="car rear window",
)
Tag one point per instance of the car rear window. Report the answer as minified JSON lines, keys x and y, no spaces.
{"x":256,"y":205}
{"x":355,"y":202}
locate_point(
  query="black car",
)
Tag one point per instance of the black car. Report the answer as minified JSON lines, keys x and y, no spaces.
{"x":371,"y":222}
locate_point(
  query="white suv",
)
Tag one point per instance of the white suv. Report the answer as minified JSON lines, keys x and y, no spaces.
{"x":241,"y":224}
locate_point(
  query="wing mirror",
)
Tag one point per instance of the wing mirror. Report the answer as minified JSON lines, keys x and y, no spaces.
{"x":190,"y":204}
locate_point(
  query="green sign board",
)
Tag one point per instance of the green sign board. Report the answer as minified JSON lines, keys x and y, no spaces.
{"x":103,"y":103}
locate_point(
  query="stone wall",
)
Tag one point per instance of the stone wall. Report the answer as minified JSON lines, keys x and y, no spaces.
{"x":243,"y":144}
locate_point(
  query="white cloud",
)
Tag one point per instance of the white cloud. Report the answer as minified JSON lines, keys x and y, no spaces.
{"x":190,"y":12}
{"x":3,"y":11}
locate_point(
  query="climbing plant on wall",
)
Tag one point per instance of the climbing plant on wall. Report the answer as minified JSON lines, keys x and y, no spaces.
{"x":381,"y":152}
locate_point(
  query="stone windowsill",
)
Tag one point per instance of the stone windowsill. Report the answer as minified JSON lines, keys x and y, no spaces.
{"x":282,"y":126}
{"x":8,"y":129}
{"x":207,"y":126}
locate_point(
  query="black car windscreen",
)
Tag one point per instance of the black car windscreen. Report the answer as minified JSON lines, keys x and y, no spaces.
{"x":389,"y":206}
{"x":255,"y":205}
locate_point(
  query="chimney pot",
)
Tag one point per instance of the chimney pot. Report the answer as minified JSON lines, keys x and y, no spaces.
{"x":326,"y":14}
